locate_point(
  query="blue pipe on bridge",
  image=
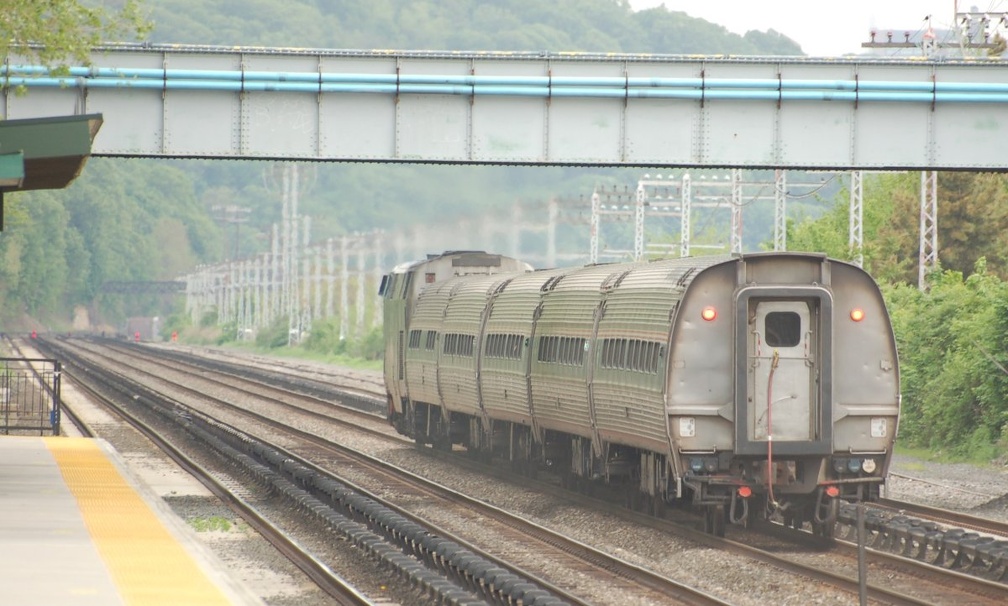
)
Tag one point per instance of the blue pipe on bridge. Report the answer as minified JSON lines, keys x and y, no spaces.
{"x":692,"y":89}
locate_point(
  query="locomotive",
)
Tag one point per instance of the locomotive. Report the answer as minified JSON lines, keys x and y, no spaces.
{"x":748,"y":386}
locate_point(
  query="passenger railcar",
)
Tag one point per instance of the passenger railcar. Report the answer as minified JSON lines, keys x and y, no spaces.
{"x":746,"y":385}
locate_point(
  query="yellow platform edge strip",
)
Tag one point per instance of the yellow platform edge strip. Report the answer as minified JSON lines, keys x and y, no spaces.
{"x":145,"y":560}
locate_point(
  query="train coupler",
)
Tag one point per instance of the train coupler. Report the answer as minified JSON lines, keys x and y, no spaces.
{"x":738,"y":512}
{"x":827,"y":504}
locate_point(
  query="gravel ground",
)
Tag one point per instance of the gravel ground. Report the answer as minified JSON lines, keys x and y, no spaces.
{"x":980,"y":490}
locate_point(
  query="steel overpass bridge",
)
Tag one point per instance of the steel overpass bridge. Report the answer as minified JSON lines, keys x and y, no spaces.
{"x":529,"y":108}
{"x":173,"y":101}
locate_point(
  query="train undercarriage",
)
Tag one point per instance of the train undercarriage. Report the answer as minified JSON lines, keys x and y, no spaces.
{"x":733,"y":492}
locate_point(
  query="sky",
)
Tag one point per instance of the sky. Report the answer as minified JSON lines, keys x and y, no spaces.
{"x":825,"y":29}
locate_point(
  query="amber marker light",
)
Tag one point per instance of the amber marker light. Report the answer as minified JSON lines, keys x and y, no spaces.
{"x":708,"y":313}
{"x":857,"y":314}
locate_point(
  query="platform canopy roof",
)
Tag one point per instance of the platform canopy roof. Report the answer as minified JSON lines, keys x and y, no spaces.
{"x":54,"y":150}
{"x":44,"y":153}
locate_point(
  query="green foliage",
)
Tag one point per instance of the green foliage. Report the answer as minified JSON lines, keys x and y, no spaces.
{"x":176,"y":322}
{"x":211,"y":524}
{"x":505,"y":25}
{"x":63,"y":31}
{"x":274,"y":336}
{"x":972,"y":223}
{"x":118,"y":221}
{"x":324,"y":339}
{"x":953,"y":344}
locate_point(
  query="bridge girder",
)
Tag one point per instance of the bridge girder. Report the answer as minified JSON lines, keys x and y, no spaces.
{"x":531,"y":108}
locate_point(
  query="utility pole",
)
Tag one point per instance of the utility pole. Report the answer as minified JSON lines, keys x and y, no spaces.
{"x":235,"y":215}
{"x":856,"y":223}
{"x":928,"y":260}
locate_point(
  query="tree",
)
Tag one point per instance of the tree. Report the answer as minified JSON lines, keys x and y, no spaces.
{"x":58,"y":31}
{"x":953,"y":371}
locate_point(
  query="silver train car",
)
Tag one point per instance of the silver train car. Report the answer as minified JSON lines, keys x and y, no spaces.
{"x":748,"y":386}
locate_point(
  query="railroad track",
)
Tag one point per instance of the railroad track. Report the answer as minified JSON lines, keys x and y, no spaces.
{"x":947,"y":518}
{"x":536,"y":543}
{"x":112,"y":392}
{"x":881,"y":592}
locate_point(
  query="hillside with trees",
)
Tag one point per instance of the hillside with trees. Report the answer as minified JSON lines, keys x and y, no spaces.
{"x":112,"y":220}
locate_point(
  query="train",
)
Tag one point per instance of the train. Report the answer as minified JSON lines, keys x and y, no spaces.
{"x":745,"y":387}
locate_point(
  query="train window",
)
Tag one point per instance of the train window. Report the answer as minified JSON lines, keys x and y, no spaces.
{"x":414,"y":339}
{"x":402,"y":357}
{"x":783,"y":329}
{"x":514,"y":346}
{"x":631,"y":359}
{"x":431,"y":338}
{"x":627,"y":354}
{"x":549,"y":350}
{"x":383,"y":286}
{"x":656,"y":354}
{"x":406,"y":285}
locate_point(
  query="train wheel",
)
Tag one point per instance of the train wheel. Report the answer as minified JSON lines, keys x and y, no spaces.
{"x":827,"y":530}
{"x":442,"y":443}
{"x":714,"y":520}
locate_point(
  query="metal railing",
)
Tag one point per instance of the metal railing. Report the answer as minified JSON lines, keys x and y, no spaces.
{"x":29,"y":396}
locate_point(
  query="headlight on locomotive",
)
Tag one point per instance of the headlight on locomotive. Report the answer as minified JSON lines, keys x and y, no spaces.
{"x":869,"y":466}
{"x":703,"y":464}
{"x":696,"y":464}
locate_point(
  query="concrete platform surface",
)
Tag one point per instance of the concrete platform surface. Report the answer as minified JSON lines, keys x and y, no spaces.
{"x":76,"y":528}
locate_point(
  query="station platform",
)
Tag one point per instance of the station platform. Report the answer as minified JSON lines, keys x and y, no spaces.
{"x":77,"y":529}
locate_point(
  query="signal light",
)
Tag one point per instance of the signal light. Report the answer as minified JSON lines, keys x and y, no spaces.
{"x":709,"y":313}
{"x":745,"y":492}
{"x":832,"y":492}
{"x":857,"y":314}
